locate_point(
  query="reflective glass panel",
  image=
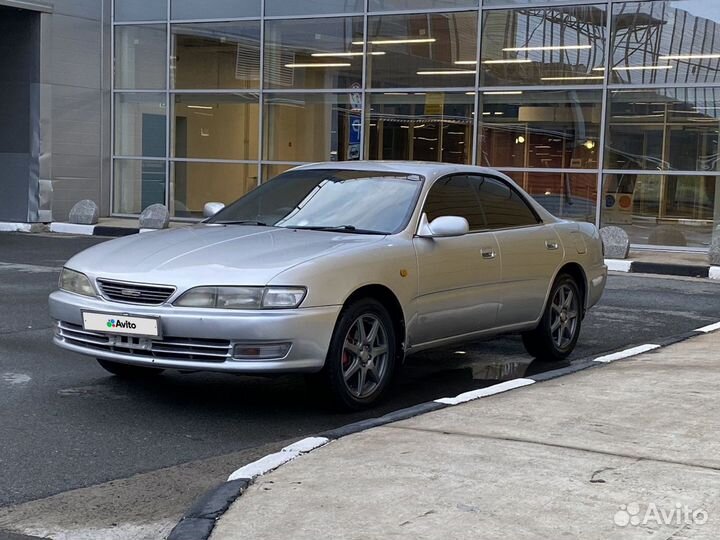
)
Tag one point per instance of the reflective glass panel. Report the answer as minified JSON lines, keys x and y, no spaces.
{"x":212,"y":9}
{"x":544,"y":129}
{"x":311,"y":127}
{"x":552,"y":45}
{"x":567,"y":195}
{"x":666,"y":128}
{"x":216,"y":55}
{"x":140,"y":125}
{"x":138,"y":184}
{"x":312,"y":7}
{"x":663,"y":210}
{"x":140,"y":57}
{"x":216,"y":126}
{"x":432,"y":126}
{"x":435,"y":49}
{"x":313,"y":53}
{"x":196,"y":183}
{"x":417,"y":5}
{"x":492,"y":3}
{"x":140,"y":10}
{"x":666,"y":42}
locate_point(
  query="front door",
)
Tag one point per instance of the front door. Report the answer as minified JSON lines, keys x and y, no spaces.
{"x":458,"y":278}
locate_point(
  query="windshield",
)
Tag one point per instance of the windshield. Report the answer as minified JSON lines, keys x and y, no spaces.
{"x":353,"y":201}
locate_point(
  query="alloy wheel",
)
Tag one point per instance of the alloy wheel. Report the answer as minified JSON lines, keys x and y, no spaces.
{"x":365,"y":355}
{"x":564,"y":312}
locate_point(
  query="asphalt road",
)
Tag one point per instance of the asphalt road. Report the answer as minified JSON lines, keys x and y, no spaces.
{"x":67,"y":424}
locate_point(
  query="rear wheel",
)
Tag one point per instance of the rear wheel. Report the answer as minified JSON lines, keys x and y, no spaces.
{"x":361,"y":358}
{"x":557,"y":334}
{"x":128,"y":371}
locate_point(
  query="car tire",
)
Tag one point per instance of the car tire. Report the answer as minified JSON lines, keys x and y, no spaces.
{"x":127,"y":371}
{"x":557,"y":334}
{"x":361,"y":358}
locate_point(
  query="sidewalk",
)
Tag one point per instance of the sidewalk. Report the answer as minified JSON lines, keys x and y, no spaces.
{"x":569,"y":457}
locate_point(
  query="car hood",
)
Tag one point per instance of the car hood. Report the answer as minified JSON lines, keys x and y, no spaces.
{"x":211,"y":254}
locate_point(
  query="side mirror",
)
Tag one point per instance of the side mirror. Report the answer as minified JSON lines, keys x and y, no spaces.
{"x":212,"y":208}
{"x":443,"y":226}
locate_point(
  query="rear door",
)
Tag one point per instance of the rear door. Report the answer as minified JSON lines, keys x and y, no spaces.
{"x":458,"y":278}
{"x":531,"y":250}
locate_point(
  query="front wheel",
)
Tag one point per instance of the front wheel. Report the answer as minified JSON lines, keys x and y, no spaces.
{"x":557,"y":334}
{"x":361,"y":358}
{"x":127,"y":371}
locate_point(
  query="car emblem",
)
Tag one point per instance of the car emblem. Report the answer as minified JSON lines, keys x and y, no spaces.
{"x":130,"y":292}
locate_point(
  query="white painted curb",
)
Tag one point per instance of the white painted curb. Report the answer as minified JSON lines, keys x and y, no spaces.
{"x":273,"y":461}
{"x":618,"y":265}
{"x":484,"y":392}
{"x":634,"y":351}
{"x":71,"y":228}
{"x":14,"y":227}
{"x":709,"y":328}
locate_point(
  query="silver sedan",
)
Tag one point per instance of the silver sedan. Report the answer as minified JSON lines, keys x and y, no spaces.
{"x":339,"y":270}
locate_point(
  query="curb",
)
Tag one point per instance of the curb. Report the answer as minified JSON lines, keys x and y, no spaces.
{"x":71,"y":228}
{"x":93,"y":230}
{"x":199,"y":521}
{"x":668,"y":269}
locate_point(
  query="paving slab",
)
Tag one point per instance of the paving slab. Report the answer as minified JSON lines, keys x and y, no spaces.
{"x":575,"y":457}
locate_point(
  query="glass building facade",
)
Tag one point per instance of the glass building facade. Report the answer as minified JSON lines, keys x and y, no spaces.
{"x":604,"y":111}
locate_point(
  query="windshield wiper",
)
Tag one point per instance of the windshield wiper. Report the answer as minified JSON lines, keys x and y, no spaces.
{"x":242,"y":222}
{"x":340,"y":228}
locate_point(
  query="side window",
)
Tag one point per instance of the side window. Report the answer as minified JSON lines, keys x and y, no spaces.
{"x":502,"y":205}
{"x":454,"y":196}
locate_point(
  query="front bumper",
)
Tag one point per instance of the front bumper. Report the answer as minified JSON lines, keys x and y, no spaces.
{"x":199,"y":339}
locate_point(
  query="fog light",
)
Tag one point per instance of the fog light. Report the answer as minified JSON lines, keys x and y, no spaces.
{"x":260,"y":351}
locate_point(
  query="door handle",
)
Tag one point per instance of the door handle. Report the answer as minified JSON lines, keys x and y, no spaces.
{"x":487,"y":253}
{"x":551,"y":245}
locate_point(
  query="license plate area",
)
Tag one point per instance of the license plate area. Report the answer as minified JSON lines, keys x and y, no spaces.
{"x":115,"y":324}
{"x":130,"y":342}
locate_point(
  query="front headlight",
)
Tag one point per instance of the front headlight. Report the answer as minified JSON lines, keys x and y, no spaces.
{"x":75,"y":282}
{"x":242,"y":297}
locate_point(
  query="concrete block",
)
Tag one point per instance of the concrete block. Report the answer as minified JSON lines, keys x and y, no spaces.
{"x":616,"y":242}
{"x":155,"y":216}
{"x":85,"y":212}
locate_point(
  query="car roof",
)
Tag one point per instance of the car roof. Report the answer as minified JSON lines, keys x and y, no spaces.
{"x":429,"y":169}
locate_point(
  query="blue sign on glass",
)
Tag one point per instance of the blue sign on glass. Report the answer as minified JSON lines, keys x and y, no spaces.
{"x":354,"y":131}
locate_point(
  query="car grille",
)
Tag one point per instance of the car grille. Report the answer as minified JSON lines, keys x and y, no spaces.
{"x":167,"y":348}
{"x":135,"y":293}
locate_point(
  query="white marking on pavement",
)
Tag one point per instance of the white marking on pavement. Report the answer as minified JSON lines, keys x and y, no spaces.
{"x":714,"y":272}
{"x":484,"y":392}
{"x":273,"y":461}
{"x":634,"y":351}
{"x":618,"y":265}
{"x":15,"y":378}
{"x":71,"y":228}
{"x":709,"y":328}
